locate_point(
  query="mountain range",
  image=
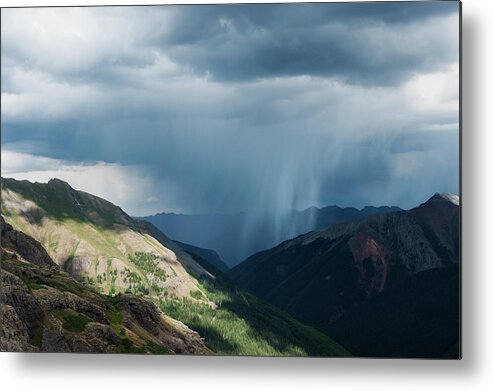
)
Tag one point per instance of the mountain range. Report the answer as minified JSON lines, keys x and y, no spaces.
{"x":79,"y":274}
{"x":236,"y":236}
{"x":206,"y":255}
{"x":383,"y":286}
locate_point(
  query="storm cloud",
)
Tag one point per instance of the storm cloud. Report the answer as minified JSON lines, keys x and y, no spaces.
{"x":236,"y":107}
{"x":373,"y":44}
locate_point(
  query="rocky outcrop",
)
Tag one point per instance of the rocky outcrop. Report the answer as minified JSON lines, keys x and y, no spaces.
{"x":45,"y":309}
{"x":17,"y":295}
{"x":371,"y":261}
{"x":53,"y":299}
{"x":140,"y":313}
{"x":13,"y":333}
{"x":26,"y":246}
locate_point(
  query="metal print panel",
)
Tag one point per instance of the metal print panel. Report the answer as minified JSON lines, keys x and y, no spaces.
{"x":267,"y":180}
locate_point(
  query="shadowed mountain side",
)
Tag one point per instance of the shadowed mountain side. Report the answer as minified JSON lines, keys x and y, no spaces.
{"x":45,"y":309}
{"x":206,"y":254}
{"x":321,"y":276}
{"x":237,"y":236}
{"x":419,"y":318}
{"x":241,"y":324}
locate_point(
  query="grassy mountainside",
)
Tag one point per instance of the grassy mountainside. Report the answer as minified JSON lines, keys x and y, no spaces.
{"x":45,"y":309}
{"x":97,"y":242}
{"x":241,"y":324}
{"x":108,"y":252}
{"x":330,"y":278}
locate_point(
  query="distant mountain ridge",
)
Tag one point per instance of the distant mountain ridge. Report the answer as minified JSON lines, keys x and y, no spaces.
{"x":237,"y":236}
{"x":385,"y":285}
{"x":208,"y":255}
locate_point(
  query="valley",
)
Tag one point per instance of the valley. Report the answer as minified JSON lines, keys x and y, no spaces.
{"x":383,"y":285}
{"x":136,"y":282}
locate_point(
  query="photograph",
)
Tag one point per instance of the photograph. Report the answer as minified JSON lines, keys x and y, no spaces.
{"x":232,"y":179}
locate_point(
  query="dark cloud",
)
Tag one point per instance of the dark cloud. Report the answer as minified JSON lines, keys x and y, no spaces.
{"x":370,"y":44}
{"x":230,"y":108}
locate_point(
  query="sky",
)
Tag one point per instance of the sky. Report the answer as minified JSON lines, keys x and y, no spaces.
{"x":229,"y":108}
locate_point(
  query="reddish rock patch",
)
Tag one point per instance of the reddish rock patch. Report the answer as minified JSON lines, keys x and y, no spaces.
{"x":371,"y":262}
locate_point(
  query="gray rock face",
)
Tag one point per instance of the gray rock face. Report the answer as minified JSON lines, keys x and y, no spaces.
{"x":17,"y":296}
{"x":173,"y":334}
{"x":26,"y":246}
{"x":54,"y":339}
{"x":53,"y":300}
{"x":13,"y":333}
{"x":45,"y":309}
{"x":96,"y":338}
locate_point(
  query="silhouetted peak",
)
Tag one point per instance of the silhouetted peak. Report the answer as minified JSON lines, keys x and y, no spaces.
{"x":445,"y":197}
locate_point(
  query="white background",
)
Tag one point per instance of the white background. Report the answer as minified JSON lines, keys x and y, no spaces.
{"x":473,"y":372}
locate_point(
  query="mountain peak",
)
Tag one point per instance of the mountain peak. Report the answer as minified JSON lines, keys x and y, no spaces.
{"x":56,"y":181}
{"x":445,"y":197}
